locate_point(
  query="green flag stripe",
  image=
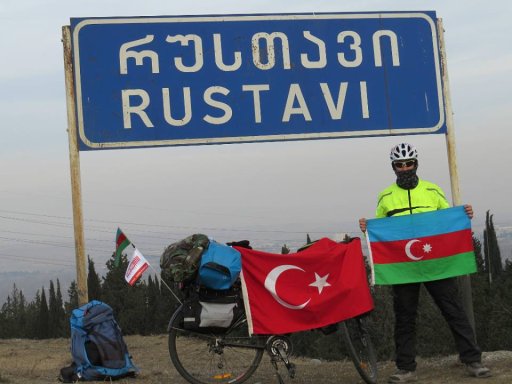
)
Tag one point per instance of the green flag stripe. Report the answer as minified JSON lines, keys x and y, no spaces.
{"x":119,"y":250}
{"x":428,"y":270}
{"x":122,"y":246}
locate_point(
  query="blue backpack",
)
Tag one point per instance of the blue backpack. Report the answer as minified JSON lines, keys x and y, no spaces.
{"x":220,"y":266}
{"x":97,"y":345}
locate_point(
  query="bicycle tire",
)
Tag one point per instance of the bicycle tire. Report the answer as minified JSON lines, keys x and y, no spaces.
{"x":361,"y":349}
{"x":205,"y":358}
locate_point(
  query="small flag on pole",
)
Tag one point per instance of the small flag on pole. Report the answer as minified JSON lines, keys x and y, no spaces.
{"x":138,"y":265}
{"x":121,"y":243}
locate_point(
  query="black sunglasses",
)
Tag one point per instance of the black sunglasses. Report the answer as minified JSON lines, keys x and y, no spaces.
{"x":402,"y":164}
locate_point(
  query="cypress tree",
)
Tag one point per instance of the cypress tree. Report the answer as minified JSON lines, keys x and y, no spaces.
{"x":93,"y":281}
{"x":149,"y":308}
{"x":63,"y":329}
{"x":53,"y":316}
{"x":167,"y":302}
{"x":163,"y":306}
{"x":497,"y":321}
{"x":43,"y":318}
{"x":13,"y":315}
{"x":57,"y":316}
{"x":153,"y":295}
{"x":8,"y":312}
{"x":493,"y":262}
{"x":477,"y":246}
{"x":72,"y":302}
{"x":3,"y":322}
{"x":33,"y":317}
{"x":127,"y":302}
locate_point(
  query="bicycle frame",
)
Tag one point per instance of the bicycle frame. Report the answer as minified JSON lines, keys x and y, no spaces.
{"x":219,"y":347}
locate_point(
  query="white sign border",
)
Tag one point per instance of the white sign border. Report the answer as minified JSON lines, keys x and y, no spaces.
{"x":242,"y":139}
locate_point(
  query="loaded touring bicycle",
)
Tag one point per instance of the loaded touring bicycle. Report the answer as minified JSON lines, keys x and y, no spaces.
{"x":209,"y":331}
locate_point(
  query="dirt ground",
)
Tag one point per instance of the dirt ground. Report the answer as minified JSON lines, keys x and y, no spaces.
{"x":39,"y":361}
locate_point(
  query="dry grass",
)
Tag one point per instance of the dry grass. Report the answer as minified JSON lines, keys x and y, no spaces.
{"x":39,"y":361}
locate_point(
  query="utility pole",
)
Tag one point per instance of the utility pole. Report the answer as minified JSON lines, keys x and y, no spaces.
{"x":74,"y":162}
{"x":464,"y":281}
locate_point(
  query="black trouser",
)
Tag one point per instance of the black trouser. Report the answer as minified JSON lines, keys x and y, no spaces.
{"x":446,"y":295}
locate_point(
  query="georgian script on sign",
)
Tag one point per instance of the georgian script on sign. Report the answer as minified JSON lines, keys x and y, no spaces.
{"x":263,"y":48}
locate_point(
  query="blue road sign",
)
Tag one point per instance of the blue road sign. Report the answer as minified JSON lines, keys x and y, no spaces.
{"x":155,"y":81}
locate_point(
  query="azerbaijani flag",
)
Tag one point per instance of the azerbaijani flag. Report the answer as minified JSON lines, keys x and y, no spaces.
{"x":121,"y":243}
{"x":421,"y":247}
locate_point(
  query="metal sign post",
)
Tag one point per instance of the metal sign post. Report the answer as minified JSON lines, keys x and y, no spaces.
{"x":464,"y":281}
{"x":74,"y":161}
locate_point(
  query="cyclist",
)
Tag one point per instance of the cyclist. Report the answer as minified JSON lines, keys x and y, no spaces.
{"x":411,"y":195}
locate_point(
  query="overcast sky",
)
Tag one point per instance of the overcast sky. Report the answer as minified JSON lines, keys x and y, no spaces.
{"x":269,"y":193}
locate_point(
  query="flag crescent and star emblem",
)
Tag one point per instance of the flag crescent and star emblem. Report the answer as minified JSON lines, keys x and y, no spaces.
{"x":273,"y":276}
{"x":426,"y":248}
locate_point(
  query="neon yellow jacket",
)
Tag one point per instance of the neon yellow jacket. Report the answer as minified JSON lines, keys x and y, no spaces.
{"x":395,"y":201}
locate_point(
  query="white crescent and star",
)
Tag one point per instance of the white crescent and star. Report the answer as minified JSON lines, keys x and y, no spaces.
{"x":427,"y":248}
{"x":271,"y":281}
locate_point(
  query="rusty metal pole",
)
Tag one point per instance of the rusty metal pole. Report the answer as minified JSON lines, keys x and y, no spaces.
{"x":464,"y":281}
{"x":74,"y":162}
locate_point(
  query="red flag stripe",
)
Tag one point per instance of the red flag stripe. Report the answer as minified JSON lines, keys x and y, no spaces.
{"x":422,"y":248}
{"x":138,"y":274}
{"x":120,"y":239}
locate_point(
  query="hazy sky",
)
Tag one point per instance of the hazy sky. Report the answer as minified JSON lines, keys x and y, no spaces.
{"x":269,"y":193}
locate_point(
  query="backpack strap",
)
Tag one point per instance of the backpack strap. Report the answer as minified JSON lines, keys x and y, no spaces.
{"x":217,"y":267}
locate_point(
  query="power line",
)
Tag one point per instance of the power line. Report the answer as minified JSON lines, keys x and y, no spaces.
{"x":51,"y":235}
{"x":144,"y":233}
{"x":195,"y":228}
{"x":41,"y":242}
{"x":167,"y":235}
{"x":33,"y":260}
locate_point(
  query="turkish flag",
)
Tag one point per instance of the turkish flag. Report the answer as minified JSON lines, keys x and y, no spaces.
{"x":322,"y":285}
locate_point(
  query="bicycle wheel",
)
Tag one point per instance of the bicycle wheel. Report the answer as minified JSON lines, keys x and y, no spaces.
{"x":361,"y":349}
{"x":203,"y":358}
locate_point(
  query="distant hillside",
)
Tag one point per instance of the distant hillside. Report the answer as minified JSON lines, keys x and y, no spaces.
{"x":504,"y":235}
{"x":30,"y":282}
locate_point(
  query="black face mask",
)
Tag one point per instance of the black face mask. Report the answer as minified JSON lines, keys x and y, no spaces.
{"x":407,"y":179}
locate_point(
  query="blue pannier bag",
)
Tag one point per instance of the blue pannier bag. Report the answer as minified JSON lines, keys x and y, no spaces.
{"x":97,"y":345}
{"x":220,"y":266}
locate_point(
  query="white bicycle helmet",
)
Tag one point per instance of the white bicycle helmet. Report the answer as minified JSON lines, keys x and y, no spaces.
{"x":403,"y":151}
